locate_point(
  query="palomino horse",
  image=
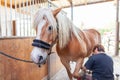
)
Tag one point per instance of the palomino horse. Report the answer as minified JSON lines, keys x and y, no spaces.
{"x":72,"y":44}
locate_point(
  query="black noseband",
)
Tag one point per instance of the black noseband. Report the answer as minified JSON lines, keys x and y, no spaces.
{"x":40,"y":44}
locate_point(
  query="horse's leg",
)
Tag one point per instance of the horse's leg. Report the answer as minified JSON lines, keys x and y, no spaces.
{"x":67,"y":66}
{"x":78,"y":66}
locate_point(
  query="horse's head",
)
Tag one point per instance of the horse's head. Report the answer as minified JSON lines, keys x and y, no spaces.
{"x":46,"y":27}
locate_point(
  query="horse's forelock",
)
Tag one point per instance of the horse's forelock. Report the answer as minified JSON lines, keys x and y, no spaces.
{"x":44,"y":12}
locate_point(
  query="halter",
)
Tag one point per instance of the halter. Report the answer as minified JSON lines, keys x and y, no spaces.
{"x":44,"y":45}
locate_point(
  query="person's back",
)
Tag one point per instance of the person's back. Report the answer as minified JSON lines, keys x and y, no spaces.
{"x":101,"y":66}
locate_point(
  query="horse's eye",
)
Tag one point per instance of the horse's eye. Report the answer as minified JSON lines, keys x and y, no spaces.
{"x":50,"y":28}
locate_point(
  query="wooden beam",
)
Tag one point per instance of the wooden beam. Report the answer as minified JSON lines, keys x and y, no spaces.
{"x":42,"y":1}
{"x":88,"y":3}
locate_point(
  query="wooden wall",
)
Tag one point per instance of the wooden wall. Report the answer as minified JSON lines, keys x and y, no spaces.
{"x":15,"y":70}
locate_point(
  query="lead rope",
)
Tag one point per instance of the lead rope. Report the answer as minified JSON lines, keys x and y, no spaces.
{"x":18,"y":59}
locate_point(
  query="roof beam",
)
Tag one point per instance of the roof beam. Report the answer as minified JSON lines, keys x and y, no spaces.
{"x":42,"y":1}
{"x":88,"y":3}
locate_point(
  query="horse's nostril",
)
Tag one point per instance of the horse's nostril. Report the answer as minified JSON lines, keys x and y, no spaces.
{"x":40,"y":58}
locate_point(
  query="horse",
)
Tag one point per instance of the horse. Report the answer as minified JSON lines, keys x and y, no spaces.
{"x":53,"y":27}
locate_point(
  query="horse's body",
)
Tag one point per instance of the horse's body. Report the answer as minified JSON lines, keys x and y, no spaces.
{"x":74,"y":51}
{"x":72,"y":43}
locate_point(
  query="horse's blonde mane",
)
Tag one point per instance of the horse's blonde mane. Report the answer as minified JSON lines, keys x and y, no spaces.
{"x":65,"y":26}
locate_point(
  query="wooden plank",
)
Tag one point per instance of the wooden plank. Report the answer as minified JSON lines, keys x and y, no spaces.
{"x":15,"y":70}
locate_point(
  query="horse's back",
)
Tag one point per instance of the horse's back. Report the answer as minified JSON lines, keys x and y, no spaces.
{"x":92,"y":37}
{"x":94,"y":34}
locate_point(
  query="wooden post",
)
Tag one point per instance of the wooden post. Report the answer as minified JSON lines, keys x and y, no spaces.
{"x":30,"y":17}
{"x":11,"y":25}
{"x":14,"y":28}
{"x":27,"y":27}
{"x":5,"y":18}
{"x":23,"y":19}
{"x":14,"y":23}
{"x":0,"y":20}
{"x":117,"y":29}
{"x":71,"y":3}
{"x":20,"y":18}
{"x":49,"y":4}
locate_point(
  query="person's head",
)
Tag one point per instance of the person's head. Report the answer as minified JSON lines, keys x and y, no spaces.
{"x":98,"y":48}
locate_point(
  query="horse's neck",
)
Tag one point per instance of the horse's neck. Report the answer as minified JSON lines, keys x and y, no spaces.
{"x":73,"y":48}
{"x":73,"y":37}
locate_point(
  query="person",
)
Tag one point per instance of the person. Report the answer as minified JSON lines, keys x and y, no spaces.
{"x":100,"y":64}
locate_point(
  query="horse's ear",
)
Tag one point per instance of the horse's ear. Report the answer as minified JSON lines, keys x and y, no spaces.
{"x":56,"y":11}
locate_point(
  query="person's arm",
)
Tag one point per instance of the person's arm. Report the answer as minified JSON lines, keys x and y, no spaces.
{"x":89,"y":64}
{"x":84,"y":68}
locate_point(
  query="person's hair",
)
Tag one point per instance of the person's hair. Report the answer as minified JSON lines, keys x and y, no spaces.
{"x":99,"y":47}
